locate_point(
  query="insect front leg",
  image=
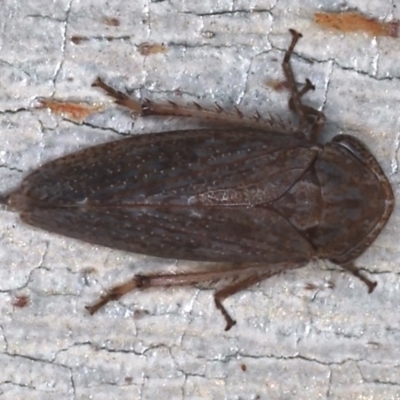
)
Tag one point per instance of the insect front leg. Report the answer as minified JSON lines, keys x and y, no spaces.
{"x":356,"y":272}
{"x":303,"y":112}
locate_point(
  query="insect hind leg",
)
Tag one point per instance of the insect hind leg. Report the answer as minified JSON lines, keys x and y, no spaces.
{"x":119,"y":97}
{"x":240,"y":277}
{"x":214,"y":116}
{"x":235,"y":118}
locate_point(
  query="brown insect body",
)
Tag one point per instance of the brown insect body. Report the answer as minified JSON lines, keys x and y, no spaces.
{"x":267,"y":200}
{"x":279,"y":196}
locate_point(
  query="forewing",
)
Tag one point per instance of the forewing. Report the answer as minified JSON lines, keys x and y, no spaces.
{"x":199,"y":195}
{"x":171,"y":168}
{"x":211,"y":234}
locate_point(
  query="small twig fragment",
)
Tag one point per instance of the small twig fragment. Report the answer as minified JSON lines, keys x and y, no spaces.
{"x":348,"y":22}
{"x":147,"y":49}
{"x":75,"y":111}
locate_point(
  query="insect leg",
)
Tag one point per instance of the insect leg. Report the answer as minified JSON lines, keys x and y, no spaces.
{"x":165,"y":280}
{"x":288,"y":71}
{"x":215,"y":116}
{"x":160,"y":280}
{"x":242,"y":277}
{"x":303,"y":112}
{"x":356,"y":272}
{"x":251,"y":278}
{"x":230,"y":290}
{"x":305,"y":89}
{"x":119,"y":97}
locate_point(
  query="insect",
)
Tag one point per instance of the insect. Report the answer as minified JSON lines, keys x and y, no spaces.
{"x":256,"y":202}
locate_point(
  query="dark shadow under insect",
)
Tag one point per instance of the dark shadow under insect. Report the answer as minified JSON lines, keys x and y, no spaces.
{"x":261,"y":200}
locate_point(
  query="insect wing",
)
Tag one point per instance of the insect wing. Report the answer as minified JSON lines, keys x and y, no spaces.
{"x":199,"y":195}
